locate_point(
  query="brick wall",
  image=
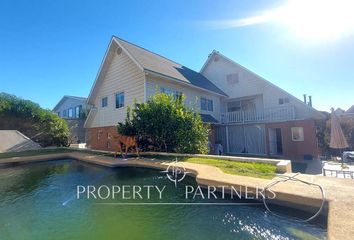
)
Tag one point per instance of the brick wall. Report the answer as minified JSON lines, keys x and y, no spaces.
{"x":99,"y":139}
{"x":296,"y":150}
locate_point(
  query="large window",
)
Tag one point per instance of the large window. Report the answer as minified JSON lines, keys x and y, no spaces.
{"x":104,"y":102}
{"x":176,"y":94}
{"x":64,"y":113}
{"x":77,"y":111}
{"x":120,"y":100}
{"x":297,"y":134}
{"x":70,"y":113}
{"x":206,"y":104}
{"x":241,"y":105}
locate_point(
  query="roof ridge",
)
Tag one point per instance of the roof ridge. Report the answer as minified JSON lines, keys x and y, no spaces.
{"x":157,"y":54}
{"x":73,"y":96}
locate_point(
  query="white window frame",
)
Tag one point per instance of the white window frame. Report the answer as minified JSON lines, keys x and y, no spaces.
{"x":70,"y":110}
{"x":120,"y":93}
{"x":207,"y":101}
{"x":77,"y":114}
{"x":300,"y":133}
{"x":169,"y":91}
{"x":106,"y":102}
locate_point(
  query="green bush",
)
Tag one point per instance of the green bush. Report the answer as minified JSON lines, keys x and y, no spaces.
{"x":167,"y":123}
{"x":42,"y":126}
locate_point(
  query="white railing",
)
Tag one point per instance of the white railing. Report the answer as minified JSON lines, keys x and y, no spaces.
{"x":265,"y":115}
{"x":90,"y":116}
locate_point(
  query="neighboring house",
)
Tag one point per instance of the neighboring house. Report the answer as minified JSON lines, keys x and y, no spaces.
{"x":70,"y":107}
{"x":73,"y":110}
{"x":350,"y":110}
{"x":339,"y":111}
{"x":247,"y":113}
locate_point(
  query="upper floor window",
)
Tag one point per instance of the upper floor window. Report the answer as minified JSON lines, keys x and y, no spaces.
{"x":283,"y":100}
{"x":120,"y":100}
{"x":297,"y":134}
{"x":58,"y":114}
{"x":176,"y":94}
{"x":206,"y":104}
{"x":77,"y":111}
{"x":64,"y":113}
{"x":104,"y":102}
{"x":242,"y":105}
{"x":70,"y":113}
{"x":232,"y":78}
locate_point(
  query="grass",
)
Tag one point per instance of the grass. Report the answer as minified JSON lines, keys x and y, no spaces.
{"x":258,"y":170}
{"x":250,"y":169}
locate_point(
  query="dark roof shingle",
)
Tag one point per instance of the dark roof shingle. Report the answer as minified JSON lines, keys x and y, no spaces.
{"x":158,"y":64}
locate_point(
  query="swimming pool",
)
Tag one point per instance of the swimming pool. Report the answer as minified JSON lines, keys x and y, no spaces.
{"x":39,"y":201}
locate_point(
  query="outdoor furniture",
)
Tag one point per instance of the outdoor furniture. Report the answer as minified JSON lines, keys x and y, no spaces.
{"x":336,"y":170}
{"x":348,"y":157}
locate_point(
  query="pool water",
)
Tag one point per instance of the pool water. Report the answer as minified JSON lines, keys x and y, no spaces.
{"x":39,"y":201}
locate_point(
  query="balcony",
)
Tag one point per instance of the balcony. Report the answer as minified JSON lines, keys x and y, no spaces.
{"x":266,"y":115}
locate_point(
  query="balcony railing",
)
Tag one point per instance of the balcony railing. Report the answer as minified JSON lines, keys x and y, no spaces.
{"x":265,"y":115}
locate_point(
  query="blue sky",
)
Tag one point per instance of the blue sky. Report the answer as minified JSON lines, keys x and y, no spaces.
{"x":53,"y":48}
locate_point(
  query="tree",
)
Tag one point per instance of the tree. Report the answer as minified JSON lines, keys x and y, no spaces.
{"x":324,"y":133}
{"x":41,"y":125}
{"x":167,"y":123}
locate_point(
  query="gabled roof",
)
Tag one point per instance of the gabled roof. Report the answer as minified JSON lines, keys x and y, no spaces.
{"x":67,"y":97}
{"x":350,"y":110}
{"x":155,"y":63}
{"x":214,"y":52}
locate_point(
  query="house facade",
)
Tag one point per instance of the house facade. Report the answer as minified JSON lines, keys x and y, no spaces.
{"x":248,"y":114}
{"x":73,"y":109}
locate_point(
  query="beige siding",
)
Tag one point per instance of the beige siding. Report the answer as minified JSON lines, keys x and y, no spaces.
{"x":122,"y":76}
{"x":193,"y":96}
{"x":249,"y":84}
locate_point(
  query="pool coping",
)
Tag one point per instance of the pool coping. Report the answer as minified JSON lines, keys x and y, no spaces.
{"x":339,"y":192}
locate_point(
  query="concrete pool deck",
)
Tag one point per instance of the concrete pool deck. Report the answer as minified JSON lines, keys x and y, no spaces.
{"x":339,"y":192}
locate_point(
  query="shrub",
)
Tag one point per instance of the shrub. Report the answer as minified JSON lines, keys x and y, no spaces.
{"x":167,"y":123}
{"x":42,"y":126}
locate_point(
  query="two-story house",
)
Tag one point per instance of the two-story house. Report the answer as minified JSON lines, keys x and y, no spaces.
{"x":73,"y":109}
{"x":248,"y":114}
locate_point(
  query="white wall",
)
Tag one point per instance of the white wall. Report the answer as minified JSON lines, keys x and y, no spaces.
{"x":122,"y":76}
{"x":193,"y":96}
{"x":251,"y":84}
{"x":69,"y":103}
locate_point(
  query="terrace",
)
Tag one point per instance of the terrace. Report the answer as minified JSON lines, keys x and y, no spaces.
{"x":257,"y":116}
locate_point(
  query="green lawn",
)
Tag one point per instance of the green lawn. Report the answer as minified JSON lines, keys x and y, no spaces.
{"x":258,"y":170}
